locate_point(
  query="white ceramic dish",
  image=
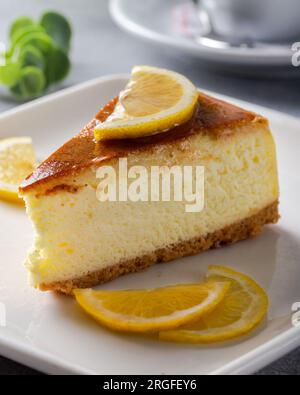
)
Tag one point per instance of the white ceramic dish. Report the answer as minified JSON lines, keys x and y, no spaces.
{"x":152,"y":20}
{"x":50,"y":333}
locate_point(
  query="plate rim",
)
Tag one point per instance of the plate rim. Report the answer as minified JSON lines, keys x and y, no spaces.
{"x":244,"y":56}
{"x":110,"y":77}
{"x":44,"y":361}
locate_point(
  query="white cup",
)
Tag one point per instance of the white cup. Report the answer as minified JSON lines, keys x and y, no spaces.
{"x":259,"y":20}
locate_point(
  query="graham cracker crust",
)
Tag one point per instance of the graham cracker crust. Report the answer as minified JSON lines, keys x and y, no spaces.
{"x":249,"y":227}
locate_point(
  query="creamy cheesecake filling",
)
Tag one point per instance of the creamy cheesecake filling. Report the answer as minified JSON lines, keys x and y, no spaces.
{"x":77,"y":235}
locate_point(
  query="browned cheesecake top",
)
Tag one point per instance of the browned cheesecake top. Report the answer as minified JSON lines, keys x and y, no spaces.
{"x":212,"y":116}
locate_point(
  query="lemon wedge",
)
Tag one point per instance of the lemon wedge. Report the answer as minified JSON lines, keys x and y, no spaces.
{"x":155,"y":100}
{"x":149,"y":310}
{"x":244,"y":307}
{"x":17,"y":161}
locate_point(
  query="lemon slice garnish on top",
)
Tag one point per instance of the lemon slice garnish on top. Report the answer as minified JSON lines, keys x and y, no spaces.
{"x":17,"y":161}
{"x":155,"y":100}
{"x":243,"y":308}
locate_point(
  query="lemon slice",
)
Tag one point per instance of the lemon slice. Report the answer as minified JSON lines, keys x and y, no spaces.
{"x":17,"y":161}
{"x":244,"y":307}
{"x":150,"y":310}
{"x":155,"y":100}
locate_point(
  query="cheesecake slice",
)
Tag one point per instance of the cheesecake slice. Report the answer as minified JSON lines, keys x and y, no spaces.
{"x":81,"y":242}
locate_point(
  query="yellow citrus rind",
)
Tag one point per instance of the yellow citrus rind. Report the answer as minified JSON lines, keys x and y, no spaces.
{"x":151,"y":310}
{"x":154,"y":101}
{"x":17,"y":161}
{"x":243,"y":308}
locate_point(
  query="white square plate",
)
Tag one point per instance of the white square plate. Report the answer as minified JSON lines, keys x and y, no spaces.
{"x":50,"y":333}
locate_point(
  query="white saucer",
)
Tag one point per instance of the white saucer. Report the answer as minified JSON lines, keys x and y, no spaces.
{"x":153,"y":20}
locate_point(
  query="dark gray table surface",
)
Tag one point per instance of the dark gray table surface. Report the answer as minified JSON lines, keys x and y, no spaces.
{"x":100,"y":48}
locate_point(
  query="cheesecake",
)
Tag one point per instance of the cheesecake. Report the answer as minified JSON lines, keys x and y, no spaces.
{"x":82,"y":242}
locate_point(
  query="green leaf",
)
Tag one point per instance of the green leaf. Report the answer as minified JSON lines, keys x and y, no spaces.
{"x":24,"y":31}
{"x":19,"y":37}
{"x":10,"y":74}
{"x":31,"y":84}
{"x":18,"y":24}
{"x":59,"y":28}
{"x":36,"y":39}
{"x":38,"y":55}
{"x":32,"y":56}
{"x":58,"y":65}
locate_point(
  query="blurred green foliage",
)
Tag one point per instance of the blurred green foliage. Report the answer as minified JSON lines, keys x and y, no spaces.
{"x":38,"y":55}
